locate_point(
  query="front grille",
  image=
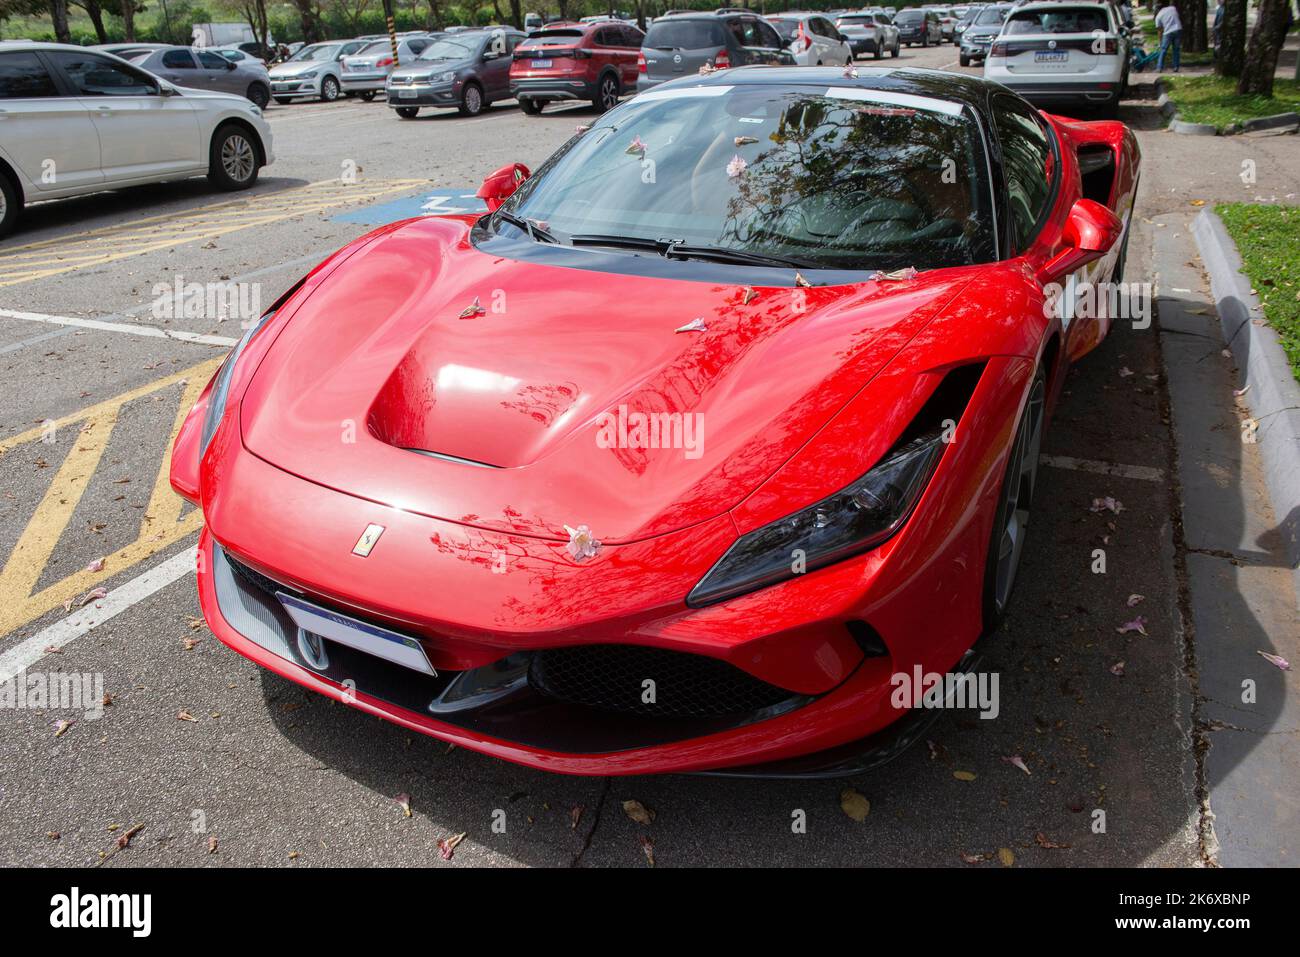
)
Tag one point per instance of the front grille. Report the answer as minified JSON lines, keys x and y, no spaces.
{"x":254,"y":578}
{"x":612,"y":678}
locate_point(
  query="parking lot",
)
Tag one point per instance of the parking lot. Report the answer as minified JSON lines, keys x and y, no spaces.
{"x":222,"y":763}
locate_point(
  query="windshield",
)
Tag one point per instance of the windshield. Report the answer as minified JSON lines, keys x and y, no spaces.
{"x":787,"y":28}
{"x":1063,"y":20}
{"x":684,"y":34}
{"x":839,"y":179}
{"x":317,"y":51}
{"x":448,"y":48}
{"x":990,"y":17}
{"x":909,"y":16}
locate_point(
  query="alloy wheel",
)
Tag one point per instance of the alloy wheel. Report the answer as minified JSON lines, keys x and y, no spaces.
{"x":238,"y":158}
{"x":1018,"y":493}
{"x":473,"y":100}
{"x":608,"y":93}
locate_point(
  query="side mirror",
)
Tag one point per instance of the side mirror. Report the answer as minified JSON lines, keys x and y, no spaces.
{"x":1090,"y":231}
{"x":490,"y":54}
{"x":230,"y":65}
{"x":499,"y":186}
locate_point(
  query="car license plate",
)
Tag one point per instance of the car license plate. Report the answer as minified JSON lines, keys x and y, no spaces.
{"x":363,"y":636}
{"x":406,"y":94}
{"x":542,"y":64}
{"x":1051,"y":56}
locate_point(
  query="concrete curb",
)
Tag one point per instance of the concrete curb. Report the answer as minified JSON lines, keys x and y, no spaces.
{"x":1278,"y":123}
{"x":1274,"y":396}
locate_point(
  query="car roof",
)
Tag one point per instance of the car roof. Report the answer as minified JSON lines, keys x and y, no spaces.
{"x":965,"y":89}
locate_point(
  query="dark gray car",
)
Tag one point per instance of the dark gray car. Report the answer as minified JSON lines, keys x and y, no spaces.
{"x":204,"y":70}
{"x":467,"y":70}
{"x":682,"y":43}
{"x":980,"y":33}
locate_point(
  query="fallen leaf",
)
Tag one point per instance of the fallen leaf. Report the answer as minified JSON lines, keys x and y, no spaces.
{"x":749,"y":295}
{"x":53,"y":835}
{"x":1275,"y":660}
{"x":1041,"y":840}
{"x":124,"y":841}
{"x":1138,"y":624}
{"x":1198,"y":202}
{"x":185,"y":716}
{"x":1005,"y":857}
{"x":744,"y":140}
{"x":799,"y":280}
{"x":53,"y":650}
{"x":855,"y":805}
{"x":1117,"y":669}
{"x":473,"y":309}
{"x":575,"y":815}
{"x":975,"y":858}
{"x":189,"y":643}
{"x":638,"y":812}
{"x":404,"y":802}
{"x":648,"y":846}
{"x":447,"y":846}
{"x":61,"y":726}
{"x":964,"y":775}
{"x":212,"y":845}
{"x":1135,"y":600}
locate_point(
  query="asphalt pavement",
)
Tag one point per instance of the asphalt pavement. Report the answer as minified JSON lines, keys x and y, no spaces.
{"x":214,"y":762}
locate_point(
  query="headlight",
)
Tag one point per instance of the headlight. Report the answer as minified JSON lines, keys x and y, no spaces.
{"x":847,"y":523}
{"x":309,"y":75}
{"x":221,"y":385}
{"x":446,"y":77}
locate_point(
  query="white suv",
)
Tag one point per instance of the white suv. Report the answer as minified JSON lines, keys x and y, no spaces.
{"x":1062,"y":53}
{"x":76,"y":121}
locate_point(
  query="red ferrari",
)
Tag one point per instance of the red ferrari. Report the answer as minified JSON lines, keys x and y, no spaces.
{"x":724,"y":417}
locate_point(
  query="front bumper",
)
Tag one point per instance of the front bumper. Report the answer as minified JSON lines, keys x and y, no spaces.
{"x":553,"y":88}
{"x":293,"y":86}
{"x":442,"y":94}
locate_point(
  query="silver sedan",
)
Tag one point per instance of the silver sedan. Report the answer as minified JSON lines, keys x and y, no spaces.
{"x":206,"y":70}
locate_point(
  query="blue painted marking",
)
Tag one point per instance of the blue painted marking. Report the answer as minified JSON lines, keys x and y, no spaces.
{"x":430,"y":203}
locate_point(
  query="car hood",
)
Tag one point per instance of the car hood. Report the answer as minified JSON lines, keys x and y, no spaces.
{"x":429,"y":68}
{"x":294,"y":69}
{"x":420,"y":341}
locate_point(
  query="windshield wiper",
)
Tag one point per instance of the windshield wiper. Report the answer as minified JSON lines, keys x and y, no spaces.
{"x":740,"y":256}
{"x":535,"y":232}
{"x":621,"y":242}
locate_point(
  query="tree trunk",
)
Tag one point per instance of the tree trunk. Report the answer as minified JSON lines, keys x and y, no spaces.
{"x":516,"y":14}
{"x":1232,"y":39}
{"x":96,"y":14}
{"x":310,"y":24}
{"x":1192,"y":15}
{"x":59,"y":16}
{"x":128,"y":20}
{"x":1265,"y":43}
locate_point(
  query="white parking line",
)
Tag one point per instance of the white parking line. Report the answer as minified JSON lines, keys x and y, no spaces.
{"x":62,"y":633}
{"x":1144,"y":473}
{"x":152,"y":332}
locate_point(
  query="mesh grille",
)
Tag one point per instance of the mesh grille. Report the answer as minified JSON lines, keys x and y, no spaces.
{"x":610,"y":677}
{"x":254,"y":578}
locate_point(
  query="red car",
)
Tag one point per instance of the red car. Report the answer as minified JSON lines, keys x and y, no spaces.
{"x":673,"y":472}
{"x":576,"y":61}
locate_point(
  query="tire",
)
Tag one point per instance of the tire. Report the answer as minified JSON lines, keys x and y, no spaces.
{"x":878,"y":54}
{"x":607,"y":93}
{"x":329,"y":89}
{"x":368,"y":96}
{"x":896,"y":50}
{"x":472,"y":100}
{"x":963,"y":59}
{"x":1011,"y":519}
{"x":925,"y":40}
{"x":232,"y":158}
{"x":282,"y":100}
{"x":11,"y":204}
{"x":407,"y":112}
{"x":531,"y":107}
{"x":258,"y":95}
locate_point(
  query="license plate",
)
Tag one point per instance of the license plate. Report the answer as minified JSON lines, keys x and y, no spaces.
{"x":1051,"y":56}
{"x":542,"y":64}
{"x":406,"y":94}
{"x":363,"y":636}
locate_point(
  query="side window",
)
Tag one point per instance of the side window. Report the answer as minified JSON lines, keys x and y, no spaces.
{"x":178,"y":60}
{"x":417,"y":46}
{"x":765,"y":35}
{"x":632,"y":38}
{"x":94,"y":76}
{"x":23,"y":76}
{"x":212,"y":61}
{"x":1026,"y":166}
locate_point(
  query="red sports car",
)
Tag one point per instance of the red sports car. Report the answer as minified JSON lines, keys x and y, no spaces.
{"x":673,"y":459}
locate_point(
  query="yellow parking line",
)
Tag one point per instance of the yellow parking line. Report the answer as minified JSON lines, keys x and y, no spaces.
{"x":111,"y":243}
{"x":160,"y":527}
